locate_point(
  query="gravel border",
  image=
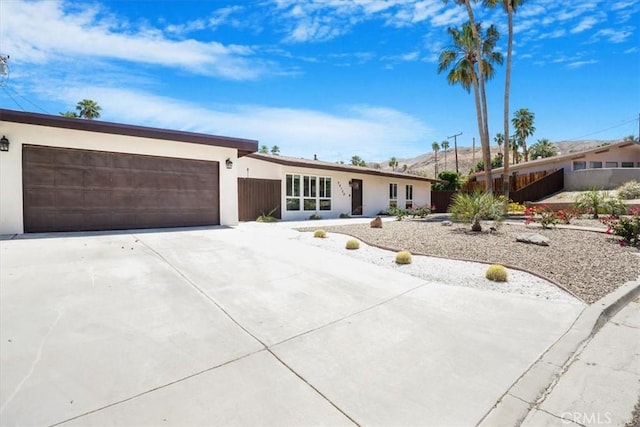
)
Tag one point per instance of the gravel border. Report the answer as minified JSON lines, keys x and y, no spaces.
{"x":588,"y":264}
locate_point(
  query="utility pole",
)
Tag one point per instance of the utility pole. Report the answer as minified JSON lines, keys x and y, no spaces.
{"x":455,"y":147}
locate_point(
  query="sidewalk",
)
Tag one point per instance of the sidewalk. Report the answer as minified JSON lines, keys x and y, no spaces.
{"x":602,"y":383}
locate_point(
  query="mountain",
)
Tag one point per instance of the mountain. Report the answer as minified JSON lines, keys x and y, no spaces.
{"x":424,"y":164}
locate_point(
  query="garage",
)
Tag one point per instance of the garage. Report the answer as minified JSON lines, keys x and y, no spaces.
{"x":83,"y":190}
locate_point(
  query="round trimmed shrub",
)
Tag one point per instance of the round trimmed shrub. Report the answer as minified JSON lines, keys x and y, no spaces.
{"x":321,"y":234}
{"x":496,"y":273}
{"x":403,"y":257}
{"x":353,"y":244}
{"x":629,"y":190}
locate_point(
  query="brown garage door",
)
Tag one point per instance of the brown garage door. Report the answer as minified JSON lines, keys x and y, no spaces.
{"x":78,"y":190}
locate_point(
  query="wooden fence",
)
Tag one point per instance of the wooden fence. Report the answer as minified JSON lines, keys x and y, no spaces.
{"x":524,"y":188}
{"x":257,"y":197}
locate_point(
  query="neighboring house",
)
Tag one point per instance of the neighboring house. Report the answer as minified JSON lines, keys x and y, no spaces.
{"x":295,"y":189}
{"x":65,"y":174}
{"x":604,"y":167}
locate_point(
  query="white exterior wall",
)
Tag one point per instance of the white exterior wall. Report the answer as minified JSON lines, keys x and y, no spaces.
{"x":11,"y":209}
{"x":375,"y":189}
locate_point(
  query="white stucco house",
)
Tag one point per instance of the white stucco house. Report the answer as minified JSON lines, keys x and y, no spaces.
{"x":605,"y":167}
{"x":298,"y":188}
{"x":67,"y":174}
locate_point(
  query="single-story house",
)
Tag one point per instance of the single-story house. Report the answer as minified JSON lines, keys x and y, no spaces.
{"x":67,"y":174}
{"x":605,"y":167}
{"x":294,"y":189}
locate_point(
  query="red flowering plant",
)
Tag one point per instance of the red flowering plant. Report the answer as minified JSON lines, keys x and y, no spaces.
{"x":566,"y":215}
{"x":627,"y":227}
{"x":542,"y":214}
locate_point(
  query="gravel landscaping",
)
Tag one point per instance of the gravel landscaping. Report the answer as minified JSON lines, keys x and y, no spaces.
{"x":589,"y":264}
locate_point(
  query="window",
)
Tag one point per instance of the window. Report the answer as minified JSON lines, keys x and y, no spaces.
{"x":595,"y":165}
{"x":579,"y":166}
{"x":393,"y":195}
{"x":315,"y":194}
{"x":611,"y":164}
{"x":293,"y":192}
{"x":325,"y":193}
{"x":408,"y":197}
{"x":628,"y":164}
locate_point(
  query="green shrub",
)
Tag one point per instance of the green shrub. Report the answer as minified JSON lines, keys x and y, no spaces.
{"x":626,"y":227}
{"x":592,"y":201}
{"x":471,"y":208}
{"x":496,"y":273}
{"x":614,"y":207}
{"x":542,"y":214}
{"x":267,"y":217}
{"x":403,"y":257}
{"x":353,"y":244}
{"x":345,"y":215}
{"x":321,"y":234}
{"x":514,"y":207}
{"x":629,"y":190}
{"x":452,"y":181}
{"x":315,"y":216}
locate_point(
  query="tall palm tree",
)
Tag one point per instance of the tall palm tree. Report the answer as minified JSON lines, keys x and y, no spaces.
{"x":524,"y":128}
{"x":435,"y":147}
{"x":393,"y":162}
{"x":513,"y":146}
{"x":445,"y":146}
{"x":509,"y":7}
{"x":88,"y":109}
{"x":543,"y":149}
{"x":470,"y":66}
{"x":499,"y":139}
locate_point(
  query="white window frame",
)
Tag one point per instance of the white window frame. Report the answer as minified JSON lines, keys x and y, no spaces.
{"x":595,"y":164}
{"x":610,"y":164}
{"x":313,"y":192}
{"x":579,"y":165}
{"x":408,"y":192}
{"x":292,"y":194}
{"x":393,"y":194}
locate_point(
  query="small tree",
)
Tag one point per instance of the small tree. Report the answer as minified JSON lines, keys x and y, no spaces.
{"x":471,"y":208}
{"x":275,"y":150}
{"x":452,"y":178}
{"x":88,"y":109}
{"x":393,"y":163}
{"x":357,"y":161}
{"x":264,"y":149}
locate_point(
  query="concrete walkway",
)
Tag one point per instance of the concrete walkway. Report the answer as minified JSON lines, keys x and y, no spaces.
{"x":249,"y":326}
{"x":601,"y":385}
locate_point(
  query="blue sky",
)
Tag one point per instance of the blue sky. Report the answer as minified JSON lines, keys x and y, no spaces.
{"x":334,"y":78}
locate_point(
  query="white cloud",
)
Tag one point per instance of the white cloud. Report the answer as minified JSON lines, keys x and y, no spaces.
{"x":618,"y":35}
{"x":372,"y":132}
{"x":578,"y":64}
{"x":45,"y":30}
{"x":585,"y":24}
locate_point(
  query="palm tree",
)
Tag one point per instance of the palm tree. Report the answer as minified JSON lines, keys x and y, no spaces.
{"x":264,"y":149}
{"x":393,"y":162}
{"x":499,"y":139}
{"x":543,"y":149}
{"x":436,"y":147}
{"x":88,"y":109}
{"x":471,"y":60}
{"x":70,"y":114}
{"x":513,"y":146}
{"x":357,"y":161}
{"x":523,"y":124}
{"x":275,"y":150}
{"x":445,"y":146}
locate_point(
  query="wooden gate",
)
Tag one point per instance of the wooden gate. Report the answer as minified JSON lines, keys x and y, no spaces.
{"x":257,"y":197}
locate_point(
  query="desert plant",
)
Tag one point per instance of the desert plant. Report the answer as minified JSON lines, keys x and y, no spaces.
{"x":403,"y":257}
{"x":345,"y":215}
{"x":542,"y":214}
{"x":321,"y":234}
{"x":496,"y":273}
{"x":514,"y":207}
{"x":471,"y":208}
{"x":566,"y":215}
{"x":267,"y":217}
{"x":315,"y":216}
{"x":400,"y":214}
{"x":592,"y":201}
{"x":626,"y":227}
{"x":614,"y":206}
{"x":629,"y":190}
{"x":353,"y":244}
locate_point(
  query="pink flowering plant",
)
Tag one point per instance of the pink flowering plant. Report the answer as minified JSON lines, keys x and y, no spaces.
{"x":541,"y":214}
{"x":627,"y":227}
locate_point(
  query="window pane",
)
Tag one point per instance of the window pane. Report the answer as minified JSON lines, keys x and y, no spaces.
{"x":313,"y":186}
{"x":409,"y":192}
{"x":289,"y":185}
{"x":327,"y":190}
{"x":628,"y":164}
{"x":296,"y":186}
{"x":305,"y":180}
{"x":595,"y":165}
{"x":309,"y":204}
{"x":579,"y":166}
{"x":611,"y":165}
{"x":293,"y":204}
{"x":325,"y":204}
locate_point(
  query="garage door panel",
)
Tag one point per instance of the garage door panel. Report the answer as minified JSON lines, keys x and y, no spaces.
{"x":39,"y":174}
{"x":68,"y":177}
{"x":63,"y":157}
{"x":115,"y":191}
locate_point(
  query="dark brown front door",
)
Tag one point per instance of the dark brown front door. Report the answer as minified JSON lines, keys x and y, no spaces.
{"x":356,"y":197}
{"x":78,"y":190}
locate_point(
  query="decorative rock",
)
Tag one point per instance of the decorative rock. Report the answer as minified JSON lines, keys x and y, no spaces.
{"x":376,"y":222}
{"x":446,"y":223}
{"x":533,"y":238}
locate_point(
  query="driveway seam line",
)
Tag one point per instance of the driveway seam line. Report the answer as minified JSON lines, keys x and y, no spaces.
{"x":151,"y":390}
{"x":265,"y":346}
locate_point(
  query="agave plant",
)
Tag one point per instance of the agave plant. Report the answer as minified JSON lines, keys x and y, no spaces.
{"x":471,"y":208}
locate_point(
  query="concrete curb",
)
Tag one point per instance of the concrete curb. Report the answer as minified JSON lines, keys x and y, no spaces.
{"x":538,"y":381}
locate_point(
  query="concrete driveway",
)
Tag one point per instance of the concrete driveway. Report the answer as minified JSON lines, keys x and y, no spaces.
{"x":249,"y":326}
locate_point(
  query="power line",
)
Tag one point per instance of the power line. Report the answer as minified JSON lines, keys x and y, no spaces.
{"x":604,"y":130}
{"x":21,"y":96}
{"x":12,"y":98}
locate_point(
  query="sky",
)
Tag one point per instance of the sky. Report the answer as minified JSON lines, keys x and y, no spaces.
{"x":334,"y":78}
